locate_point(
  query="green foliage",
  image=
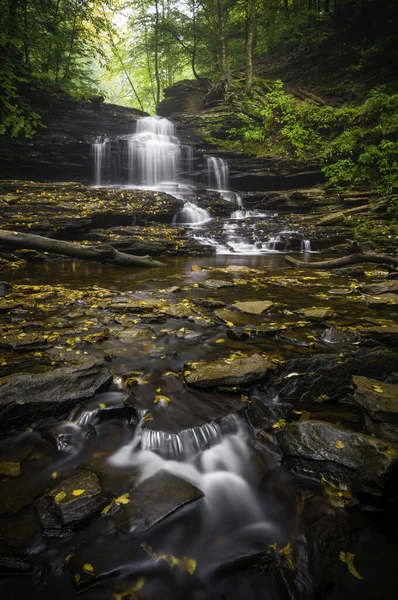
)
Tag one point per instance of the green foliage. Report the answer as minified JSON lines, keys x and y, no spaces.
{"x":356,"y":144}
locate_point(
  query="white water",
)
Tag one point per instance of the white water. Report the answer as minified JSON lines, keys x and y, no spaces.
{"x":217,"y":173}
{"x":101,"y":150}
{"x":217,"y":463}
{"x":154,"y":152}
{"x":192,"y":214}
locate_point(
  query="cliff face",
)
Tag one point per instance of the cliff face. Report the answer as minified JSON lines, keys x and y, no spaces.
{"x":61,"y":150}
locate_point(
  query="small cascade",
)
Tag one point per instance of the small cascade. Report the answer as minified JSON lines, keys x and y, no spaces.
{"x":154,"y":152}
{"x":192,"y":214}
{"x":306,"y":246}
{"x":217,"y":173}
{"x":101,"y":154}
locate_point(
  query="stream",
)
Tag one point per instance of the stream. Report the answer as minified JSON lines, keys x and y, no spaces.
{"x":161,"y":486}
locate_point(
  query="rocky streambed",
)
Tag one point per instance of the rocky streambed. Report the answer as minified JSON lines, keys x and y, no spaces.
{"x":219,"y":427}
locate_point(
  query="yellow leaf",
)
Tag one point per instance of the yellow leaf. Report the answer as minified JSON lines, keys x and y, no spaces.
{"x":220,"y":341}
{"x":138,"y":585}
{"x":77,"y":577}
{"x":106,"y":509}
{"x":229,"y":323}
{"x":77,"y":492}
{"x":88,"y":568}
{"x":279,"y":424}
{"x":123,"y":499}
{"x":60,"y":496}
{"x":189,"y":565}
{"x":378,"y":389}
{"x":54,"y":475}
{"x":163,"y":400}
{"x":348,"y":559}
{"x":102,"y":405}
{"x":339,"y":444}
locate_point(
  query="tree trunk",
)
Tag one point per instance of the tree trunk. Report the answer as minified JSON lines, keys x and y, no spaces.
{"x":106,"y":254}
{"x":194,"y":41}
{"x":352,"y":259}
{"x":249,"y":44}
{"x":222,"y":38}
{"x":157,"y":76}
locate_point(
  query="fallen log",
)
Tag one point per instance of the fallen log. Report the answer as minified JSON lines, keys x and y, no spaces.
{"x":352,"y":259}
{"x":104,"y":254}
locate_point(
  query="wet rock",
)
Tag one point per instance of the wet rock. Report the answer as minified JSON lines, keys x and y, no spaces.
{"x":325,"y":377}
{"x":215,"y":284}
{"x":208,"y":303}
{"x":155,"y":499}
{"x":386,"y":336}
{"x":253,"y":307}
{"x":132,"y":334}
{"x":5,"y":287}
{"x":180,"y":310}
{"x":25,"y":398}
{"x":227,"y":371}
{"x":70,"y":504}
{"x":348,"y":272}
{"x":383,"y":301}
{"x":369,"y":458}
{"x":13,"y":561}
{"x":19,"y":530}
{"x":385,"y":287}
{"x":380,"y":402}
{"x":317,"y":314}
{"x":67,"y":436}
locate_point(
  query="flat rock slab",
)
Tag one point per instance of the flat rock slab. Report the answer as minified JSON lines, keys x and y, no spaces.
{"x":25,"y":398}
{"x":215,"y":284}
{"x":387,"y":335}
{"x":253,"y":307}
{"x":317,"y":314}
{"x":321,"y":441}
{"x":155,"y":499}
{"x":378,"y":399}
{"x":385,"y":287}
{"x":227,"y":371}
{"x":71,"y":503}
{"x":383,"y":301}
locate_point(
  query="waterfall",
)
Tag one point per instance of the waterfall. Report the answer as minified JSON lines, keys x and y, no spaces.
{"x":306,"y":246}
{"x":154,"y":152}
{"x":101,"y":153}
{"x":217,"y":173}
{"x":191,"y":214}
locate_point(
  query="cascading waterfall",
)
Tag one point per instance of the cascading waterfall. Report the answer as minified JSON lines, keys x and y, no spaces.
{"x":101,"y":152}
{"x":154,"y":152}
{"x":217,"y":173}
{"x":214,"y":457}
{"x":153,"y":158}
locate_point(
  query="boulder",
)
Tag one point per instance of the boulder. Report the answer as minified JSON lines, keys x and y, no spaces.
{"x":365,"y":460}
{"x":317,"y":314}
{"x":253,"y":307}
{"x":233,"y":371}
{"x":385,"y":287}
{"x":25,"y":398}
{"x":375,"y":335}
{"x":71,"y":503}
{"x":155,"y":499}
{"x":380,"y":401}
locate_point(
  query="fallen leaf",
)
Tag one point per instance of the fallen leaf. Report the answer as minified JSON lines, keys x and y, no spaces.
{"x":123,"y":499}
{"x":339,"y":444}
{"x":88,"y":568}
{"x":348,"y":559}
{"x":59,"y":497}
{"x":77,"y":492}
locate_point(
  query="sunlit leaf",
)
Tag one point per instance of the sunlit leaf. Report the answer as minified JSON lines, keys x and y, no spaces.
{"x":348,"y":558}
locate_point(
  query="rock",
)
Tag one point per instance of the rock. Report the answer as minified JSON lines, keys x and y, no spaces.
{"x":253,"y":307}
{"x":317,"y":314}
{"x":180,"y":310}
{"x":155,"y":499}
{"x":387,"y":336}
{"x":368,"y":457}
{"x":385,"y":287}
{"x":332,"y":219}
{"x":208,"y":303}
{"x":25,"y":398}
{"x":227,"y":371}
{"x":215,"y":284}
{"x":5,"y":287}
{"x":383,"y":301}
{"x":348,"y":272}
{"x":380,"y":401}
{"x":327,"y":378}
{"x":132,"y":334}
{"x":71,"y":503}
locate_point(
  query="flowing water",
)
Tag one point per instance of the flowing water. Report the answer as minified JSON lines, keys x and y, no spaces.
{"x":153,"y":158}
